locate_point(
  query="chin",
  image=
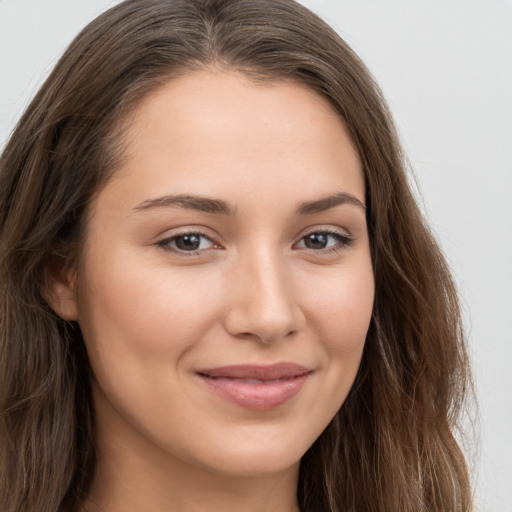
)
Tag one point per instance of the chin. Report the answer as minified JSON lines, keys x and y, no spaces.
{"x":256,"y":466}
{"x":258,"y":457}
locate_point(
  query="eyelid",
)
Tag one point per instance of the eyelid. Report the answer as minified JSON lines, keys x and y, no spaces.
{"x":345,"y":239}
{"x":164,"y":243}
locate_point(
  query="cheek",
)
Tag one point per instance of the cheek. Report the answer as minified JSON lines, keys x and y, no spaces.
{"x":341,"y":303}
{"x":349,"y":313}
{"x":149,"y":313}
{"x":340,"y":308}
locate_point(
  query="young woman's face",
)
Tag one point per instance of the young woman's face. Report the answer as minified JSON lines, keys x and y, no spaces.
{"x":226,"y":285}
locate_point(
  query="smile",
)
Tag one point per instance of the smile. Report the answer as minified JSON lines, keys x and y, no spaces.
{"x":259,"y":388}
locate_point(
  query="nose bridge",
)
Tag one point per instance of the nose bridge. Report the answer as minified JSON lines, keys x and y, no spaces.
{"x":263,"y":304}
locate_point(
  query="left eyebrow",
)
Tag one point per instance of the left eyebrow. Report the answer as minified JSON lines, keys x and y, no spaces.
{"x":325,"y":203}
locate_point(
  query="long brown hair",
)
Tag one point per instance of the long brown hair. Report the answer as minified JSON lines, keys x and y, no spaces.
{"x":391,"y":445}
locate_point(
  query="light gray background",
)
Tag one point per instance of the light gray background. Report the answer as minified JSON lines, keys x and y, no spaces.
{"x":446,"y":69}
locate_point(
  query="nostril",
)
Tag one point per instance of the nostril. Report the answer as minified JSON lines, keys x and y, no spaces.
{"x":266,"y":327}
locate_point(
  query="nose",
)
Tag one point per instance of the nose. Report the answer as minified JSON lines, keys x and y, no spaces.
{"x":263,"y":304}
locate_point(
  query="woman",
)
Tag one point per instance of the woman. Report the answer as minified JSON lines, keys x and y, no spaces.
{"x":218,"y":292}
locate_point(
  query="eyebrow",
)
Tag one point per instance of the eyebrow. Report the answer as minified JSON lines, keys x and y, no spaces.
{"x":220,"y":207}
{"x":325,"y":203}
{"x":188,"y":202}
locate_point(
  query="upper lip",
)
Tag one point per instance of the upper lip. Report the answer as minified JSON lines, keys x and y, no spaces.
{"x":257,"y":372}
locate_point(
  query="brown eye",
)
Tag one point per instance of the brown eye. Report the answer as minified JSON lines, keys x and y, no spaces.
{"x":324,"y":241}
{"x":187,"y":242}
{"x":316,"y":241}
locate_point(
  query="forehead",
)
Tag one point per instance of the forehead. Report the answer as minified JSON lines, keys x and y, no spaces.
{"x":210,"y":131}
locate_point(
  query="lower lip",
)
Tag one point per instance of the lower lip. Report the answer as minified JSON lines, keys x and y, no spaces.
{"x":261,"y":396}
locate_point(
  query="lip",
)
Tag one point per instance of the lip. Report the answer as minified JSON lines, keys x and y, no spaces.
{"x":256,"y":387}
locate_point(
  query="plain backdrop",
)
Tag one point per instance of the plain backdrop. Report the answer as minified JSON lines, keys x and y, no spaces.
{"x":446,"y":69}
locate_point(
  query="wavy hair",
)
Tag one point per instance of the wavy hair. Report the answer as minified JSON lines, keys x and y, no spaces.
{"x":391,"y":445}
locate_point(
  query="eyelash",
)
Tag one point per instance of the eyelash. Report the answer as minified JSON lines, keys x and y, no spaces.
{"x":166,"y":243}
{"x":343,"y":241}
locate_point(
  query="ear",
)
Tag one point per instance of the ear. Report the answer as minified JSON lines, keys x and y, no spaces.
{"x":60,"y":290}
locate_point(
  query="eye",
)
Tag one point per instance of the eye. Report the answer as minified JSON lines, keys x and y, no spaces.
{"x":187,"y":242}
{"x":325,"y":241}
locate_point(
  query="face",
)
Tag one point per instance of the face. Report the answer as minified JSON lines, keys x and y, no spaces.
{"x":226,"y":284}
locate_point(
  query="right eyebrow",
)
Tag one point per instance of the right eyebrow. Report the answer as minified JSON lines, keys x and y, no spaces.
{"x":188,"y":202}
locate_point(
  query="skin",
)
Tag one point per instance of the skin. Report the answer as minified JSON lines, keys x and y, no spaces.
{"x":254,"y":292}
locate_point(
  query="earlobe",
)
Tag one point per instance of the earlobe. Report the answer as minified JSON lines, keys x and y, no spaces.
{"x":60,"y":292}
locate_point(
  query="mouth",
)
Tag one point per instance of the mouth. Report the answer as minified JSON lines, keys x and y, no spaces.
{"x":256,"y":387}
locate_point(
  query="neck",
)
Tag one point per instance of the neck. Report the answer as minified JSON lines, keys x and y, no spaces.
{"x":145,"y":486}
{"x":192,"y":492}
